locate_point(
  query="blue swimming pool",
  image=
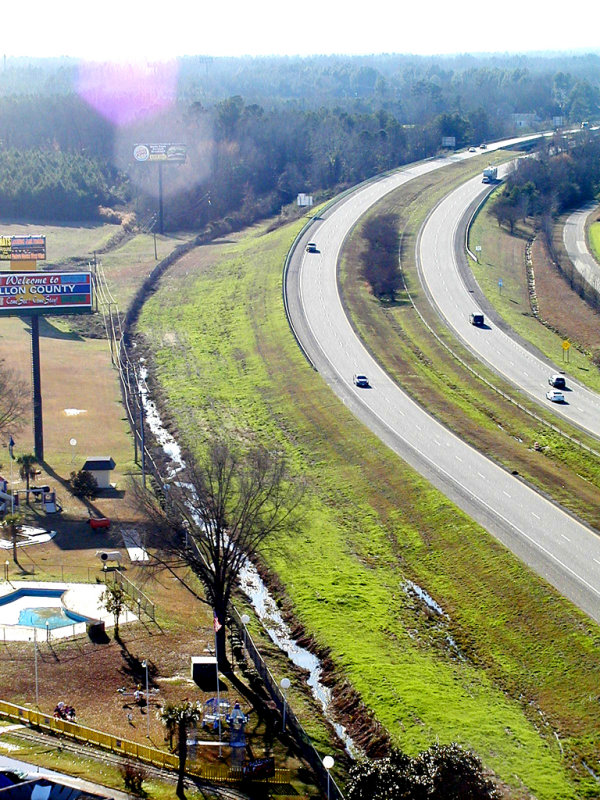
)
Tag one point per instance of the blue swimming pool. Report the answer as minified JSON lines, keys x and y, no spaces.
{"x":41,"y":616}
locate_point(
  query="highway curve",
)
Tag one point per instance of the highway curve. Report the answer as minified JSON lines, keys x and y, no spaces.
{"x":455,"y":293}
{"x":553,"y":543}
{"x":577,"y":249}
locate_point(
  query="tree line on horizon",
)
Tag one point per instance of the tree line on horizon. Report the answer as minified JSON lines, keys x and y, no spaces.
{"x":259,"y":131}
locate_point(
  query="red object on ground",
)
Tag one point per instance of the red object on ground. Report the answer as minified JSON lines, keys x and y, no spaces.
{"x":102,"y":522}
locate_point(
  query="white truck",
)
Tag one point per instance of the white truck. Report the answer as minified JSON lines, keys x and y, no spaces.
{"x":490,"y":175}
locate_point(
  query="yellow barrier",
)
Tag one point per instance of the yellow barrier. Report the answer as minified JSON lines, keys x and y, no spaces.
{"x":125,"y":747}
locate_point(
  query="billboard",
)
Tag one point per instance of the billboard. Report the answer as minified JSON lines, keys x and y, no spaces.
{"x":45,"y":293}
{"x":22,"y":248}
{"x":160,"y":152}
{"x":304,"y":199}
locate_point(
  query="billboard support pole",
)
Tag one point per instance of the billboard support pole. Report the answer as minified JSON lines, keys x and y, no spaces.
{"x":38,"y":430}
{"x":161,"y":228}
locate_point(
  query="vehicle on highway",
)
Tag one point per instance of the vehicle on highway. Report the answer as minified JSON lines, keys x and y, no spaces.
{"x":360,"y":380}
{"x":472,"y":149}
{"x":558,"y":381}
{"x":483,"y":146}
{"x":311,"y":247}
{"x":490,"y":175}
{"x":555,"y":396}
{"x":477,"y":319}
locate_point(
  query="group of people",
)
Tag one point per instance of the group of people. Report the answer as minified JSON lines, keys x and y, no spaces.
{"x":63,"y":711}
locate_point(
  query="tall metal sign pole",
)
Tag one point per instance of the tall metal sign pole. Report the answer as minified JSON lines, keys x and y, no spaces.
{"x":38,"y":425}
{"x":161,"y":153}
{"x":30,"y":295}
{"x":161,"y":223}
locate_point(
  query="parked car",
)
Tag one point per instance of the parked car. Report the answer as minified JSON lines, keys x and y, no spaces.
{"x":555,"y":396}
{"x":361,"y":380}
{"x":558,"y":381}
{"x":311,"y":247}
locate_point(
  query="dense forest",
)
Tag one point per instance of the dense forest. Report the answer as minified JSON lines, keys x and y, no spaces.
{"x":258,"y":131}
{"x":563,"y":176}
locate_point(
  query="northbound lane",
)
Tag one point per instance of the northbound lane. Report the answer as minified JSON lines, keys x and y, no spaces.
{"x":441,"y":250}
{"x":558,"y":547}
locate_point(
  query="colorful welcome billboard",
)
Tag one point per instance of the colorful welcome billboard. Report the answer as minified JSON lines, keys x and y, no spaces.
{"x":22,"y":248}
{"x":45,"y":293}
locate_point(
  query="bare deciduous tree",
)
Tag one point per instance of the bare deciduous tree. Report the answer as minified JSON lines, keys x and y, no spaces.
{"x":217,"y":514}
{"x":113,"y":600}
{"x":14,"y":399}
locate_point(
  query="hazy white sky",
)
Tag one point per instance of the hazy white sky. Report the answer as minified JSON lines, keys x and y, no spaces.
{"x":125,"y":30}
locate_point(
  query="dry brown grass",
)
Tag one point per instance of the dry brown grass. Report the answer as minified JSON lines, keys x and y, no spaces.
{"x":559,"y":306}
{"x":77,"y":374}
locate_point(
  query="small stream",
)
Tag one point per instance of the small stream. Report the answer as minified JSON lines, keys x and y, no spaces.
{"x":253,"y":586}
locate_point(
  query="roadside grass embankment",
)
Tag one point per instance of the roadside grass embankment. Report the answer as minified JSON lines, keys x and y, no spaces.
{"x":566,"y":314}
{"x":594,"y":239}
{"x":450,"y":392}
{"x":508,"y":667}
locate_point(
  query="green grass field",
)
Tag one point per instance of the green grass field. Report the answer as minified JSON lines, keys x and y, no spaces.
{"x":594,"y":239}
{"x":525,"y":663}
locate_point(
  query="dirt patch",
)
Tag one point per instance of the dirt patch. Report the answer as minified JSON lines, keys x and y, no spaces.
{"x":560,"y":307}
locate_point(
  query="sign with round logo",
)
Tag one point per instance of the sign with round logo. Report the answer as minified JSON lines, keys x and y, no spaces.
{"x":141,"y":152}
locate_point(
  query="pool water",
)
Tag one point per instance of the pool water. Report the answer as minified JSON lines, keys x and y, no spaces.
{"x":33,"y":608}
{"x":51,"y":616}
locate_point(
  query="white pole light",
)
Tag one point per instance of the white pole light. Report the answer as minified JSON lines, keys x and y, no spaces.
{"x":285,"y":685}
{"x":328,"y":763}
{"x":245,"y":620}
{"x":145,"y":665}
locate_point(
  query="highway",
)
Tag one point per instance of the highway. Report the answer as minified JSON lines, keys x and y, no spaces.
{"x":455,"y":293}
{"x":554,"y":544}
{"x":576,"y":246}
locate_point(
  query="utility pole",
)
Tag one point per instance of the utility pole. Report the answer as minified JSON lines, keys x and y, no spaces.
{"x":161,"y":227}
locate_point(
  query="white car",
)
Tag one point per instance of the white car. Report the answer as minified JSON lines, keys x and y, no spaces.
{"x":555,"y":396}
{"x":361,"y":380}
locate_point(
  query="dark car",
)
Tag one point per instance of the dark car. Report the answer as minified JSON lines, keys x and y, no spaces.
{"x":477,"y":319}
{"x":558,"y":381}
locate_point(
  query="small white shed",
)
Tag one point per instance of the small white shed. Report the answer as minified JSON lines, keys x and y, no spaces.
{"x":100,"y":467}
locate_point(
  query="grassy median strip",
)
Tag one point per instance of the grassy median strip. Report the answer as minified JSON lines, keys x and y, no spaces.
{"x":594,"y":239}
{"x":426,"y":369}
{"x":502,"y":258}
{"x":508,"y":662}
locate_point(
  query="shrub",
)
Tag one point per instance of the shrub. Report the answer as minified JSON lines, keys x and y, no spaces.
{"x":83,"y":484}
{"x":134,"y":776}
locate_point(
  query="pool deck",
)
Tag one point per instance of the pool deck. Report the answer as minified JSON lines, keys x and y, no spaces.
{"x":82,"y":598}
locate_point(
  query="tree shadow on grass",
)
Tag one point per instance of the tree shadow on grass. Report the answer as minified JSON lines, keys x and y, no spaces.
{"x":50,"y":331}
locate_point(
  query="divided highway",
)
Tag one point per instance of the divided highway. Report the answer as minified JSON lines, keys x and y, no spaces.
{"x":455,"y":293}
{"x":558,"y":547}
{"x":576,"y":246}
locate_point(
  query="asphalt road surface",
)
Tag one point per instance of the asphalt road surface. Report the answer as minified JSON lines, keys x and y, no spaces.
{"x":576,"y":246}
{"x":456,"y":294}
{"x":554,"y":544}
